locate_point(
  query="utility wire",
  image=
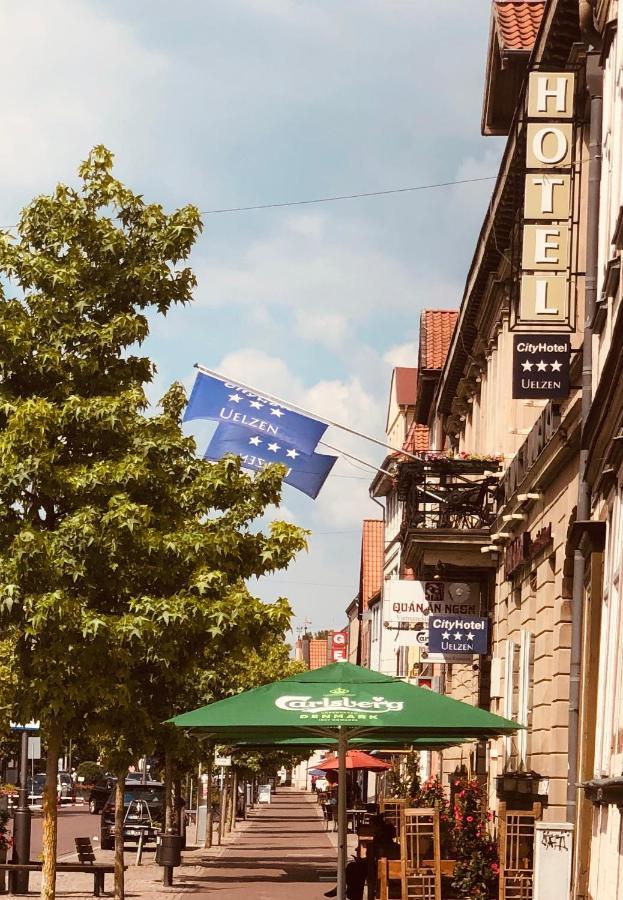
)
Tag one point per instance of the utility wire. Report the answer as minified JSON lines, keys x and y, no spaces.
{"x":403,"y":190}
{"x":332,"y":199}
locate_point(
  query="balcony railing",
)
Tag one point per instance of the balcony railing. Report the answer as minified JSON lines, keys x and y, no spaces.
{"x":449,"y":493}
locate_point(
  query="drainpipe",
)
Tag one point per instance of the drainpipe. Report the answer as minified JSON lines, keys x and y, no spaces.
{"x":378,"y":503}
{"x":594,"y":84}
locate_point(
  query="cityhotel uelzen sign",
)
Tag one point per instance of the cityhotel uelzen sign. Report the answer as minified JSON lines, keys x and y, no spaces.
{"x":541,"y":366}
{"x":458,"y":635}
{"x":545,"y":296}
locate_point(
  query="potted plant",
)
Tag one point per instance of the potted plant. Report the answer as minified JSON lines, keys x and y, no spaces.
{"x":477,"y":863}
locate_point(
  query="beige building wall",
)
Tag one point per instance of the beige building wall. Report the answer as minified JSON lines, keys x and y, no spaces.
{"x":531,"y":646}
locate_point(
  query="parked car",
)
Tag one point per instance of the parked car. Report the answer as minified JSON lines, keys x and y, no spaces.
{"x":35,"y":785}
{"x":143,"y":813}
{"x":64,"y":787}
{"x":100,"y":792}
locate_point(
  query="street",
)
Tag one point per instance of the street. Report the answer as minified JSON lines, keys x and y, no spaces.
{"x":73,"y":821}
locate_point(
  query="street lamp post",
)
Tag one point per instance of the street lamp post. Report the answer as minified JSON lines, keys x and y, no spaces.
{"x":21,"y":822}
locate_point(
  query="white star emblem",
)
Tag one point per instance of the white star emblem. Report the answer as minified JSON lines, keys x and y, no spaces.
{"x":556,"y":366}
{"x":274,"y":447}
{"x":235,"y":398}
{"x":541,"y":366}
{"x":445,"y":636}
{"x":470,"y":637}
{"x":277,"y":412}
{"x":255,"y":404}
{"x":255,"y":441}
{"x":292,"y":454}
{"x":527,"y":366}
{"x":457,"y":637}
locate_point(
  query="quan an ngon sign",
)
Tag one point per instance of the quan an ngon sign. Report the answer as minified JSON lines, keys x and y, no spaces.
{"x":412,"y":602}
{"x":545,"y":294}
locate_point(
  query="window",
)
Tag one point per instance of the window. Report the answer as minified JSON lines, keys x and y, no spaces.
{"x":509,"y":680}
{"x":608,"y":720}
{"x":402,"y":662}
{"x":525,"y":697}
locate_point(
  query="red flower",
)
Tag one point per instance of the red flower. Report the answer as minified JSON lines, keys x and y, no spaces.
{"x":470,"y":818}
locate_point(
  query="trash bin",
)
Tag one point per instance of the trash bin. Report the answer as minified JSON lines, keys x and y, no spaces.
{"x":168,"y":849}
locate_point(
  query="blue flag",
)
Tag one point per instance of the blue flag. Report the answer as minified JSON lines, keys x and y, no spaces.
{"x":213,"y":398}
{"x":306,"y":472}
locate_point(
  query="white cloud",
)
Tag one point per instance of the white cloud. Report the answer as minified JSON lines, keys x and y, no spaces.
{"x":403,"y":354}
{"x":74,"y":77}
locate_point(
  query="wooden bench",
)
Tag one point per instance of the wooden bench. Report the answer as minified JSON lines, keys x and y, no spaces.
{"x":98,"y":870}
{"x":86,"y":863}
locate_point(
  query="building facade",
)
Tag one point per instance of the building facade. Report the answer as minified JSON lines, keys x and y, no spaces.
{"x":517,"y":496}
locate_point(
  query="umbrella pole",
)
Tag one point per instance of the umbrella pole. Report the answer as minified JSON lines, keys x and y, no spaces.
{"x":341,"y":815}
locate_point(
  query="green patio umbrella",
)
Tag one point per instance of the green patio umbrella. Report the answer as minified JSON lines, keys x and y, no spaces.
{"x":346,"y":705}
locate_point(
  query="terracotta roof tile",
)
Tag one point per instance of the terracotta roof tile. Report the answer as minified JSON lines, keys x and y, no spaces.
{"x":318,"y":653}
{"x":372,"y":559}
{"x":417,"y":439}
{"x":436,"y":330}
{"x":517,"y":22}
{"x":406,"y":385}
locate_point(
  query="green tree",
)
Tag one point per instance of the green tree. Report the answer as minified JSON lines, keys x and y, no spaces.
{"x":116,"y":543}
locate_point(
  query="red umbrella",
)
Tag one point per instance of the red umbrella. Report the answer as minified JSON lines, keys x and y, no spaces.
{"x":355,"y":759}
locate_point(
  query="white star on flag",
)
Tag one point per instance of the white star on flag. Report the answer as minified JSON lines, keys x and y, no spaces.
{"x":556,"y":366}
{"x":527,"y":366}
{"x":255,"y":441}
{"x":470,"y":636}
{"x":292,"y":453}
{"x":255,"y":404}
{"x":274,"y":447}
{"x":445,"y":636}
{"x":457,"y":637}
{"x":235,"y":398}
{"x":541,"y":366}
{"x":277,"y":412}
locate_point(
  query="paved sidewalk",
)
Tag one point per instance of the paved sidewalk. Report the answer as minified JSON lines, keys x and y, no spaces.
{"x":281,"y":851}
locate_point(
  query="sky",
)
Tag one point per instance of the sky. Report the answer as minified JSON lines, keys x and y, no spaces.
{"x":227,"y":103}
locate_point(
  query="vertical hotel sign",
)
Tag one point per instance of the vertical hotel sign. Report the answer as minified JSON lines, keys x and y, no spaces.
{"x":545,"y":295}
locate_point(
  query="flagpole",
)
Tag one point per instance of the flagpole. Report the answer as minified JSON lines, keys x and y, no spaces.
{"x":356,"y":459}
{"x":305,"y":412}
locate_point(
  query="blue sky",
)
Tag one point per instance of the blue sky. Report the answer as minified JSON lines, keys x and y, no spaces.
{"x":257,"y":101}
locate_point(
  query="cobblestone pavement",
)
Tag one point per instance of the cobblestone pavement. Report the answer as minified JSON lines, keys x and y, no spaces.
{"x":281,"y":851}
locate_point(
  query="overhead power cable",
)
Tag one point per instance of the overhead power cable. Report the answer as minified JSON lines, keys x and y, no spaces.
{"x":402,"y":190}
{"x":333,"y":199}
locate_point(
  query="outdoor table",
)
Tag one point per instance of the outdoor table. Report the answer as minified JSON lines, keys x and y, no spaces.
{"x":355,"y":815}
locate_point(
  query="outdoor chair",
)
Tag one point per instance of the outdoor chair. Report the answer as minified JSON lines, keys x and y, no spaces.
{"x":420,"y":854}
{"x":390,"y":810}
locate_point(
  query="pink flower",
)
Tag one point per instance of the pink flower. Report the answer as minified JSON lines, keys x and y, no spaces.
{"x":470,"y":818}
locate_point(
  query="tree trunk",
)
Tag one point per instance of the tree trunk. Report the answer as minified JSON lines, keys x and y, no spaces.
{"x":50,"y":831}
{"x":119,"y":816}
{"x":222,"y":806}
{"x":168,"y":798}
{"x":209,"y":813}
{"x":230,"y":795}
{"x":234,"y":798}
{"x":177,"y":803}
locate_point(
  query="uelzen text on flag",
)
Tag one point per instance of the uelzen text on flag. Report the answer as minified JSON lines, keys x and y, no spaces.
{"x":227,"y":403}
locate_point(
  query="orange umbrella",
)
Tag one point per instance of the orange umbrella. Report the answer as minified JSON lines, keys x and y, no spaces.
{"x":355,"y":759}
